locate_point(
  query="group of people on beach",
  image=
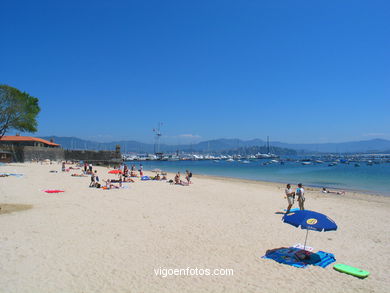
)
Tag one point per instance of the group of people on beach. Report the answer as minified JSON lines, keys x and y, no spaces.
{"x":125,"y":175}
{"x":300,"y":193}
{"x":178,"y":181}
{"x":290,"y":195}
{"x":133,"y":171}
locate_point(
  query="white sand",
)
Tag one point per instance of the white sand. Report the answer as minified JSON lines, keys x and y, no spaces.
{"x":91,"y":240}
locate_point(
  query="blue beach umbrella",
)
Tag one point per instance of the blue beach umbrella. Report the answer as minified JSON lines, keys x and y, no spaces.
{"x":310,"y":220}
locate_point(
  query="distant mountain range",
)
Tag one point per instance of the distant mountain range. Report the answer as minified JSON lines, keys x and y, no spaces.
{"x":372,"y":145}
{"x":219,"y":145}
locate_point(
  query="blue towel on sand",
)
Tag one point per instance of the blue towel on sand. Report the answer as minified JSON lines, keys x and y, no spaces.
{"x":285,"y":255}
{"x":326,"y":259}
{"x":288,"y":256}
{"x":292,"y":210}
{"x":12,"y":174}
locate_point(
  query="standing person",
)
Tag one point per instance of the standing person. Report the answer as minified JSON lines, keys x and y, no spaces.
{"x":90,"y":168}
{"x":125,"y":171}
{"x":290,"y":195}
{"x":188,"y":176}
{"x":96,"y":177}
{"x":85,"y":168}
{"x":300,"y":192}
{"x":63,"y":166}
{"x":93,"y":182}
{"x":141,"y":173}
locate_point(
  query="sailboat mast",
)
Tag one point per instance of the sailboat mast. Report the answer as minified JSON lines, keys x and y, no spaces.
{"x":268,"y":144}
{"x":157,"y":131}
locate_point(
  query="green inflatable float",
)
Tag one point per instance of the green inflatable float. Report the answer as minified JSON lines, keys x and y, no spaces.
{"x":351,"y":270}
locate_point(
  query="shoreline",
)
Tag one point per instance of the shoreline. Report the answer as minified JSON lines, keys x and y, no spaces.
{"x":277,"y":183}
{"x":315,"y":192}
{"x":368,"y":180}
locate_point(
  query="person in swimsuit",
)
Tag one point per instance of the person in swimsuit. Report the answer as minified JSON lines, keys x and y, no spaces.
{"x":300,"y":192}
{"x":290,"y":195}
{"x":188,"y":176}
{"x":324,"y":190}
{"x":177,"y":178}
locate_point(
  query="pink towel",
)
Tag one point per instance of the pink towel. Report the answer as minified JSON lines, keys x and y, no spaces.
{"x":53,"y":191}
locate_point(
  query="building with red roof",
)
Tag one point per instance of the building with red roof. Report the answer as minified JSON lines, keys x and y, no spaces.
{"x":18,"y":140}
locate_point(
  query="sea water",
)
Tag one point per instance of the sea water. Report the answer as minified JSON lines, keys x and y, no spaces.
{"x":374,"y":179}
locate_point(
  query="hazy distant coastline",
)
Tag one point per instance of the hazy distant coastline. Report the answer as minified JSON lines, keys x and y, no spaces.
{"x":219,"y":145}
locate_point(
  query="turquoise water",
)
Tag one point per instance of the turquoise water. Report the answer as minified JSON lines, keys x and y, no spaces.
{"x":375,"y":179}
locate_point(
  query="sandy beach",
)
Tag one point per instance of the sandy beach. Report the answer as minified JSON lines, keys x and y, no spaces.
{"x":93,"y":240}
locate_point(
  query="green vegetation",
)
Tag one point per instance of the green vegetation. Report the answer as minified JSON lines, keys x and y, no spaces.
{"x":18,"y":110}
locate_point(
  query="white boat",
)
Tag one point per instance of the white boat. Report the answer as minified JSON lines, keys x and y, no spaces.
{"x":173,"y":158}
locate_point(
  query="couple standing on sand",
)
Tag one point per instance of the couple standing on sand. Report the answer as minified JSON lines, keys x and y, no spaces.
{"x":290,"y":195}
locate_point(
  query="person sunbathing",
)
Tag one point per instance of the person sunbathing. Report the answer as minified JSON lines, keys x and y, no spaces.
{"x":178,"y":181}
{"x":177,"y":178}
{"x":324,"y":190}
{"x":183,"y":183}
{"x":109,"y":185}
{"x":117,"y":180}
{"x":78,"y":175}
{"x":122,"y":179}
{"x":133,"y":174}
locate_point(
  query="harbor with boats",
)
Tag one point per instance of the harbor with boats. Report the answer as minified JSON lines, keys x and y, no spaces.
{"x":330,"y":159}
{"x":362,"y":172}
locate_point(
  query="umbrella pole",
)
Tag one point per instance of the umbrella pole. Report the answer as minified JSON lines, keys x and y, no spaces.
{"x":304,"y":245}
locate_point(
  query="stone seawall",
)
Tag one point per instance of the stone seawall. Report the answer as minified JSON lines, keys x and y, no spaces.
{"x":100,"y":157}
{"x":32,"y":153}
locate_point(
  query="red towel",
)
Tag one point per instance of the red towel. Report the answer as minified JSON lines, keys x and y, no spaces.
{"x":53,"y":191}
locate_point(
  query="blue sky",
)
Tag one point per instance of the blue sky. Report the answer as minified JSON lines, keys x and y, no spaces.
{"x":298,"y":71}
